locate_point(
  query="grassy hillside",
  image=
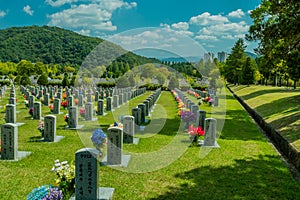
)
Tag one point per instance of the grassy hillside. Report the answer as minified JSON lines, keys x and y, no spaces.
{"x":279,"y":106}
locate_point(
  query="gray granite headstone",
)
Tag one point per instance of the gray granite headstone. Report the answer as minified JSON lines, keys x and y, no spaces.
{"x":216,"y":101}
{"x":88,"y":111}
{"x":89,"y":98}
{"x":115,"y":101}
{"x":49,"y":128}
{"x":201,"y":118}
{"x":73,"y":117}
{"x":146,"y":107}
{"x":37,"y":110}
{"x":108,"y":104}
{"x":70,"y":100}
{"x":136,"y":113}
{"x":11,"y":114}
{"x":114,"y":146}
{"x":31,"y":101}
{"x":210,"y":132}
{"x":80,"y":100}
{"x":128,"y":129}
{"x":143,"y":112}
{"x":12,"y":100}
{"x":56,"y":106}
{"x":100,"y":107}
{"x":46,"y":99}
{"x":9,"y":138}
{"x":194,"y":109}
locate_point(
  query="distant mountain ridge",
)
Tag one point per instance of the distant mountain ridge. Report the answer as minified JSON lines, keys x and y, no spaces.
{"x":58,"y":46}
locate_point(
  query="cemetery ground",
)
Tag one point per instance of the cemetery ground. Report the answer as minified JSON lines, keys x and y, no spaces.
{"x":278,"y":106}
{"x":245,"y":166}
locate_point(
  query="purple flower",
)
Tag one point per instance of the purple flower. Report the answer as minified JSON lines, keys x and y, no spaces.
{"x":98,"y":138}
{"x":187,"y":116}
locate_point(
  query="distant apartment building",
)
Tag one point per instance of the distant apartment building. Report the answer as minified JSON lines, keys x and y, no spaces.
{"x":222,"y":56}
{"x":208,"y":57}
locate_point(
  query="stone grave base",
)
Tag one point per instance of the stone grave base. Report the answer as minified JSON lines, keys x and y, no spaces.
{"x":58,"y":113}
{"x":57,"y":138}
{"x":136,"y":140}
{"x":20,"y":123}
{"x":125,"y":161}
{"x":104,"y":193}
{"x":93,"y":120}
{"x":141,"y":128}
{"x":76,"y":128}
{"x":21,"y":155}
{"x":102,"y":115}
{"x":201,"y":143}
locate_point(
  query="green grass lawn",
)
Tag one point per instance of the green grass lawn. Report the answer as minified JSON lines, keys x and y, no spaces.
{"x":244,"y":167}
{"x":279,"y":106}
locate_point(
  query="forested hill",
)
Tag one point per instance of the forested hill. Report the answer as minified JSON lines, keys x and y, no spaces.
{"x":54,"y":45}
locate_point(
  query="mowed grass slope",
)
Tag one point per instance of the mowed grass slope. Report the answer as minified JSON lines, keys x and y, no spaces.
{"x":244,"y":167}
{"x":279,"y":106}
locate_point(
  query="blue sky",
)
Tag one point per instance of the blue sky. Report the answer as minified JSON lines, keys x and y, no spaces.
{"x":215,"y":25}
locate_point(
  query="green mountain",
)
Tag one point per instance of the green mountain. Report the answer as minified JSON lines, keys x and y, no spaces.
{"x":56,"y":45}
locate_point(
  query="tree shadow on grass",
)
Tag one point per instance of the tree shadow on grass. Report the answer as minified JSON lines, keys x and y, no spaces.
{"x":261,"y":92}
{"x":240,"y":126}
{"x":263,"y":177}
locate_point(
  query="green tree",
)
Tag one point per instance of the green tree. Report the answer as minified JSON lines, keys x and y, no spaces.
{"x":43,"y":79}
{"x":161,"y":78}
{"x":65,"y":81}
{"x":122,"y":82}
{"x":148,"y":71}
{"x":174,"y":83}
{"x":131,"y":79}
{"x":25,"y":80}
{"x":248,"y":72}
{"x":235,"y":62}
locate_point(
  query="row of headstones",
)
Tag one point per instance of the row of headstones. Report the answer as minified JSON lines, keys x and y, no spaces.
{"x":3,"y":90}
{"x":9,"y":137}
{"x":207,"y":124}
{"x":194,"y":108}
{"x":210,"y":93}
{"x":143,"y":109}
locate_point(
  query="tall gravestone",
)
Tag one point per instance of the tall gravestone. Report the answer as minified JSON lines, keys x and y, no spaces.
{"x":108,"y":104}
{"x":9,"y":138}
{"x":56,"y":106}
{"x":210,"y":132}
{"x":46,"y":99}
{"x":115,"y":101}
{"x":143,"y":112}
{"x":89,"y":98}
{"x":201,"y":118}
{"x":37,"y":110}
{"x":100,"y":107}
{"x":136,"y":113}
{"x":31,"y":101}
{"x":194,"y":110}
{"x":80,"y":100}
{"x":88,"y":111}
{"x":114,"y":146}
{"x":146,"y":107}
{"x":11,"y":114}
{"x":49,"y":128}
{"x":70,"y":100}
{"x":128,"y":129}
{"x":12,"y":101}
{"x":216,"y":101}
{"x":73,"y":117}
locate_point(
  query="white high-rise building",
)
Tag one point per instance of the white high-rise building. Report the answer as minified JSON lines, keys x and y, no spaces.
{"x":222,"y":56}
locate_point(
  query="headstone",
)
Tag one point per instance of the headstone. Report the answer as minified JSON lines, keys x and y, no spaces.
{"x":46,"y":99}
{"x":70,"y":100}
{"x":115,"y":101}
{"x":80,"y":100}
{"x":37,"y":110}
{"x":136,"y":113}
{"x":100,"y":107}
{"x":58,"y":95}
{"x":12,"y":100}
{"x":146,"y":107}
{"x":128,"y":129}
{"x":210,"y":132}
{"x":56,"y":106}
{"x":96,"y":96}
{"x":120,"y":99}
{"x":108,"y":103}
{"x":201,"y":118}
{"x":9,"y":138}
{"x":73,"y":117}
{"x":89,"y":98}
{"x":49,"y":128}
{"x":11,"y":114}
{"x":194,"y":109}
{"x":143,"y":112}
{"x":88,"y":111}
{"x":114,"y":146}
{"x":31,"y":101}
{"x":87,"y":173}
{"x":216,"y":101}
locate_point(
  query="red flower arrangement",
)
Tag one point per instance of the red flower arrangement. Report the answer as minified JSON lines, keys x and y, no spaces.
{"x":195,"y":133}
{"x":64,"y":104}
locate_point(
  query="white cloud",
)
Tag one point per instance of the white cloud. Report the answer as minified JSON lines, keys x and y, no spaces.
{"x":224,"y":29}
{"x":181,"y":26}
{"x":59,"y":2}
{"x":206,"y":37}
{"x":27,"y":9}
{"x":232,"y":37}
{"x":208,"y":19}
{"x":94,"y":16}
{"x":84,"y":32}
{"x":2,"y":13}
{"x":237,"y":13}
